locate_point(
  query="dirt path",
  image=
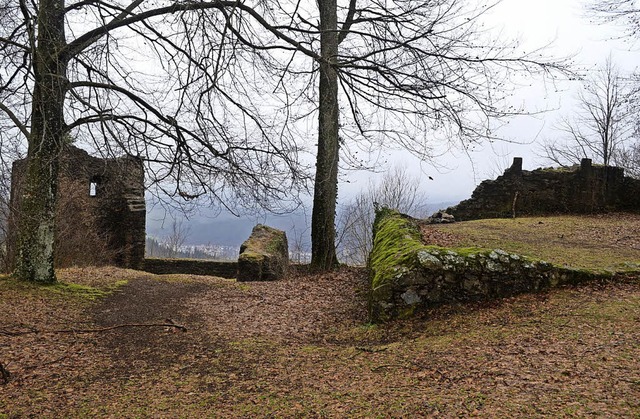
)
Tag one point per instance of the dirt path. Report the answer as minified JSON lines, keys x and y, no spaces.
{"x":148,"y":301}
{"x":217,"y":312}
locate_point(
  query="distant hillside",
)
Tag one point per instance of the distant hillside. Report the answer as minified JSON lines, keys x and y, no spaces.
{"x":228,"y":230}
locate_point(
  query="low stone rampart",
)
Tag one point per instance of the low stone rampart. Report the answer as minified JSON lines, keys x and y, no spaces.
{"x":407,"y":275}
{"x":224,"y":269}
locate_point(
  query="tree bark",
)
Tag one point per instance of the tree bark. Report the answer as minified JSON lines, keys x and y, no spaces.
{"x":38,"y":201}
{"x":323,"y":252}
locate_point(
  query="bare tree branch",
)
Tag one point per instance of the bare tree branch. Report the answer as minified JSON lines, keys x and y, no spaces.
{"x":217,"y":96}
{"x":23,"y":129}
{"x":397,"y":190}
{"x":602,"y":124}
{"x":32,"y":331}
{"x":626,"y":12}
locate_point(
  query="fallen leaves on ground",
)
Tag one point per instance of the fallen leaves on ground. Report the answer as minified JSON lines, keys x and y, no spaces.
{"x":302,"y":347}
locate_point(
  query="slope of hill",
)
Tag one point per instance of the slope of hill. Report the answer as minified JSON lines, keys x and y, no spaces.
{"x":118,"y":343}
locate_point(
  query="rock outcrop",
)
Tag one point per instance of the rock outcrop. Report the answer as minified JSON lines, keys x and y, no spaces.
{"x":441,"y":217}
{"x":264,"y":256}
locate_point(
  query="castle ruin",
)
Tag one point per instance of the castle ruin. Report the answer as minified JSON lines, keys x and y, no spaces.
{"x":100,"y":212}
{"x":581,"y":189}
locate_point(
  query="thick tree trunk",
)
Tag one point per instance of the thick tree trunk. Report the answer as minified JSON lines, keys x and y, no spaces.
{"x":37,"y":226}
{"x":323,"y":252}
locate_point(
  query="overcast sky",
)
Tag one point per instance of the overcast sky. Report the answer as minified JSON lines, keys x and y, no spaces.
{"x":561,"y":23}
{"x":536,"y":24}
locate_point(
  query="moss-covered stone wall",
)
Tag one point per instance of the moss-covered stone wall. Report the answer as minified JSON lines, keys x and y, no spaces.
{"x":407,"y":275}
{"x":264,"y":256}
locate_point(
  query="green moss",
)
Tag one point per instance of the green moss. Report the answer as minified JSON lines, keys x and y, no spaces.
{"x":84,"y":291}
{"x":65,"y":290}
{"x":267,"y":239}
{"x":407,"y":312}
{"x":396,"y":243}
{"x":275,"y":245}
{"x":463,"y":251}
{"x":243,"y":287}
{"x":251,"y":255}
{"x":397,"y":249}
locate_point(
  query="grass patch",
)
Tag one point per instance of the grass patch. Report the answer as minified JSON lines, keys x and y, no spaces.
{"x":610,"y":311}
{"x":193,"y":279}
{"x":584,"y":242}
{"x":85,"y":291}
{"x":60,"y":289}
{"x":87,"y":288}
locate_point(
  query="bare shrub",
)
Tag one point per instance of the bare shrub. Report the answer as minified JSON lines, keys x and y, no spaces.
{"x":629,"y":159}
{"x":397,"y":190}
{"x":177,"y":237}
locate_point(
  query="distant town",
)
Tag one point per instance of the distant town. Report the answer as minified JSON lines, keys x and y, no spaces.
{"x":162,"y":248}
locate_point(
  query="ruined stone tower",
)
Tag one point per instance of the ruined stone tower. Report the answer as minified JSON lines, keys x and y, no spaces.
{"x":100,"y":213}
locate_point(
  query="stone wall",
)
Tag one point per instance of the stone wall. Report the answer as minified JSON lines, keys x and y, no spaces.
{"x":100,"y":213}
{"x":577,"y":190}
{"x":227,"y":269}
{"x":407,"y":275}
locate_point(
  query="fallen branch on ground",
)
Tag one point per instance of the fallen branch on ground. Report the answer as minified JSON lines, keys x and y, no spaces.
{"x":361,"y":349}
{"x":379,"y":367}
{"x":96,"y":330}
{"x":370,"y":350}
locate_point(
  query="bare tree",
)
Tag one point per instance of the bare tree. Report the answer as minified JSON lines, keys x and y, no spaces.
{"x":229,"y":85}
{"x":629,"y":159}
{"x":4,"y":217}
{"x":177,"y":237}
{"x":9,"y":151}
{"x":398,"y":190}
{"x":299,"y":244}
{"x":4,"y":214}
{"x":625,"y":11}
{"x":602,"y":122}
{"x":354,"y":227}
{"x":407,"y":73}
{"x":164,"y":81}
